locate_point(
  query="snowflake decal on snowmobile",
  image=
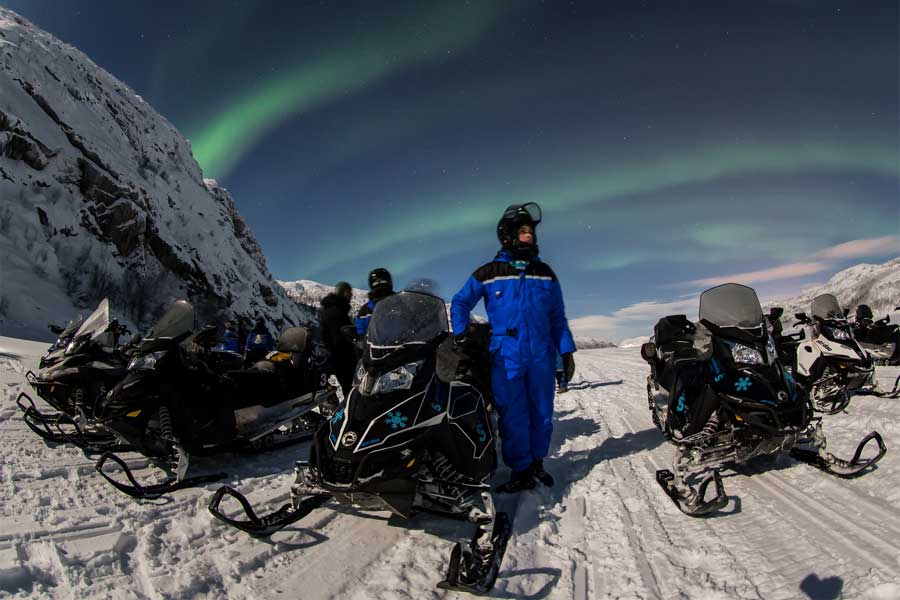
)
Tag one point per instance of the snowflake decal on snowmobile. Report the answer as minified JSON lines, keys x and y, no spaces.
{"x":396,"y":420}
{"x":743,"y":384}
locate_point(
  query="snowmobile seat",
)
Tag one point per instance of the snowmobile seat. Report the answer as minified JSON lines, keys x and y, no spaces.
{"x":293,"y":340}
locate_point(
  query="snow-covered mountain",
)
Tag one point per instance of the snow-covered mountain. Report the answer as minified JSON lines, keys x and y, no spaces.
{"x":590,"y":343}
{"x":309,"y":293}
{"x":100,"y":196}
{"x":875,"y":285}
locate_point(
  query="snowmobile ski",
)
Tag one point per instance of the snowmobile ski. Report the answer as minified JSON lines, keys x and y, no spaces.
{"x":839,"y":467}
{"x":157,"y":490}
{"x":474,"y":568}
{"x":268,"y":524}
{"x":694,"y":503}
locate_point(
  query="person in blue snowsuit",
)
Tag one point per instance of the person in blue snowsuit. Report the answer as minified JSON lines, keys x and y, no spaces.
{"x":524,"y":304}
{"x":230,"y":340}
{"x":258,"y":343}
{"x":381,"y":285}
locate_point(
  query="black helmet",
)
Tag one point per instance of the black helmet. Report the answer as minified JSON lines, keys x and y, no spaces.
{"x":514,"y":217}
{"x":380,"y":280}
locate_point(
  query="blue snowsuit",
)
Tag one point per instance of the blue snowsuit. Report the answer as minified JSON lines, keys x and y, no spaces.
{"x":365,"y":313}
{"x":528,"y":328}
{"x":230,"y":341}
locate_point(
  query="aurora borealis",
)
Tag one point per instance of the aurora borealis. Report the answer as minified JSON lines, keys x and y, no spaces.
{"x":669,"y":144}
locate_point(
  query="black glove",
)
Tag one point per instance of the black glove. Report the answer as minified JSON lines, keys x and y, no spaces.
{"x":569,"y":365}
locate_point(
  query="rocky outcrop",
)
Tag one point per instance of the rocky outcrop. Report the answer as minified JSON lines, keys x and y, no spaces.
{"x":101,"y":196}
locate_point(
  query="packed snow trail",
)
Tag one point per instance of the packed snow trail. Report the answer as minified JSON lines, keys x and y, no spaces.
{"x":605,"y":530}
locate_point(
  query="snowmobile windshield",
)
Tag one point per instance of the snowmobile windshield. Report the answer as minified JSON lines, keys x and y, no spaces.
{"x":826,"y":307}
{"x":406,"y":318}
{"x":731,"y":305}
{"x":178,"y":320}
{"x":97,"y":323}
{"x":72,"y":327}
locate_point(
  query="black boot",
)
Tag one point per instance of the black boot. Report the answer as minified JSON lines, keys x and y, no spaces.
{"x":545,"y":478}
{"x":518,"y":481}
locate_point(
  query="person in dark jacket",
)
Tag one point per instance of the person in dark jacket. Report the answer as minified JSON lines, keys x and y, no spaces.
{"x":381,"y":285}
{"x":524,"y":304}
{"x":334,"y":315}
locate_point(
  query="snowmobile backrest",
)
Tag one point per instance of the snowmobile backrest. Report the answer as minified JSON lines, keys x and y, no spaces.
{"x":293,"y":340}
{"x":673,"y":328}
{"x":863,"y":312}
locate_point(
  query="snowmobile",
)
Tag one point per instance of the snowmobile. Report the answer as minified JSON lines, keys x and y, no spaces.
{"x":825,"y":358}
{"x":414,"y":434}
{"x":172,"y":405}
{"x":75,"y":380}
{"x":879,"y":338}
{"x":718,"y":392}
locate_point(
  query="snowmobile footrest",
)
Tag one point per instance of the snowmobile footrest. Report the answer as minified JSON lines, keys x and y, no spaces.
{"x":267,"y":524}
{"x":149,"y":492}
{"x":474,"y":571}
{"x":839,"y":467}
{"x":694,"y":505}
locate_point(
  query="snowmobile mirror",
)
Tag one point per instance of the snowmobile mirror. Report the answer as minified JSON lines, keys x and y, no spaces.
{"x":55,"y":329}
{"x":648,"y":351}
{"x":801,"y":317}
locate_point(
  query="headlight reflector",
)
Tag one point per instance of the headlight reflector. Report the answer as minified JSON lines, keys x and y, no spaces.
{"x":145,"y":361}
{"x":746,"y":355}
{"x":400,"y":378}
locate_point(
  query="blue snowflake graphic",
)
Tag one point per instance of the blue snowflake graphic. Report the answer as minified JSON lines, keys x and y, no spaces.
{"x":396,"y":420}
{"x":338,"y":416}
{"x":743,"y":384}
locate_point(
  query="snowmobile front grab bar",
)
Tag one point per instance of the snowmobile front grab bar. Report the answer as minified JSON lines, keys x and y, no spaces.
{"x":268,"y":524}
{"x":839,"y":467}
{"x":153,"y":491}
{"x":41,"y":424}
{"x":694,"y":504}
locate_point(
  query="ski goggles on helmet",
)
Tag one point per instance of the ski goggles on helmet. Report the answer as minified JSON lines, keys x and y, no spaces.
{"x":529,"y":211}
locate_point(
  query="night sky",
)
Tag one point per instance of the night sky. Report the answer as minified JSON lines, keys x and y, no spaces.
{"x":671,"y":145}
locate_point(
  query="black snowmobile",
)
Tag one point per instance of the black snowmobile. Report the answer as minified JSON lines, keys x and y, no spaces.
{"x":413,"y":435}
{"x":881,"y":338}
{"x":172,"y":405}
{"x":75,"y":379}
{"x":718,"y":392}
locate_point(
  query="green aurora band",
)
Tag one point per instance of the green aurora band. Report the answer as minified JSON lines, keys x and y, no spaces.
{"x":219,"y":145}
{"x":467,"y":209}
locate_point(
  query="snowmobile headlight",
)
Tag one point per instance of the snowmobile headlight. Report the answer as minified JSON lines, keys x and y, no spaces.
{"x":837,"y":334}
{"x":75,"y":345}
{"x":145,"y":361}
{"x":400,"y":378}
{"x":746,"y":355}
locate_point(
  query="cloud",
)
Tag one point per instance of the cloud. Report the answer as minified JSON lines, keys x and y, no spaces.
{"x":788,"y":271}
{"x":865,"y":247}
{"x":633,"y":319}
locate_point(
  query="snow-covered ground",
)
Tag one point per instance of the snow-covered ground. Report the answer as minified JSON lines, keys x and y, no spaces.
{"x":605,"y":530}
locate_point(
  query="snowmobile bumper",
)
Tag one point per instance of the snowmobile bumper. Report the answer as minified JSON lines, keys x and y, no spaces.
{"x":153,"y":491}
{"x":694,"y":503}
{"x":839,"y":467}
{"x":262,"y":526}
{"x":51,"y":428}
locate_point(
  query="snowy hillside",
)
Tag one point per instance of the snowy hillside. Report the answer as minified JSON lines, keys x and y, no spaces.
{"x":606,"y":530}
{"x":100,"y":196}
{"x":590,"y":343}
{"x":875,"y":285}
{"x":309,"y":293}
